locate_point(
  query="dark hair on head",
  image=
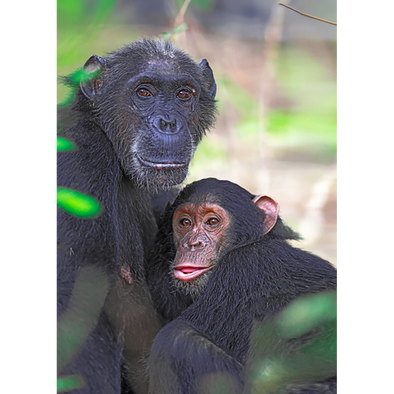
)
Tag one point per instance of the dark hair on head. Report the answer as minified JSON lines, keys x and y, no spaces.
{"x":247,"y":220}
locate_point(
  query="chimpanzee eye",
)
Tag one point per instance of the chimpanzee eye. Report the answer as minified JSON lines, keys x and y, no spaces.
{"x":184,"y":94}
{"x":144,"y":93}
{"x":185,"y":222}
{"x":212,"y":222}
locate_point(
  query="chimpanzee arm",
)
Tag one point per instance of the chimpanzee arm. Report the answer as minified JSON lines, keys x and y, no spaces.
{"x":208,"y":343}
{"x":186,"y":362}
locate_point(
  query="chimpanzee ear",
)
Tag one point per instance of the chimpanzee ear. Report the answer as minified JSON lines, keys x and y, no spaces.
{"x":91,"y":80}
{"x":270,"y":208}
{"x":208,"y":75}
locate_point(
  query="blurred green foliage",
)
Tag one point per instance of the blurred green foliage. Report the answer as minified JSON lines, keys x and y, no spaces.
{"x":78,"y":23}
{"x":306,"y":313}
{"x":86,"y":302}
{"x":67,"y":383}
{"x":64,"y":145}
{"x":175,"y":31}
{"x":78,"y":204}
{"x":310,"y":123}
{"x":297,"y":346}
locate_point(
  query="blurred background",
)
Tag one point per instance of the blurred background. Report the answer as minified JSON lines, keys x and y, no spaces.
{"x":276,"y":76}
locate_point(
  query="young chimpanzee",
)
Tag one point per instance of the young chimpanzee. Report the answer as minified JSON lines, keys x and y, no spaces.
{"x":136,"y":121}
{"x":220,"y":263}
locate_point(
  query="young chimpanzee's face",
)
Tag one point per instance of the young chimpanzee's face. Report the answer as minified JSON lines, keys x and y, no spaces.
{"x":202,"y":230}
{"x":199,"y":237}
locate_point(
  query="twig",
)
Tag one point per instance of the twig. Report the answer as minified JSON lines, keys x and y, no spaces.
{"x":309,"y":16}
{"x":181,"y":14}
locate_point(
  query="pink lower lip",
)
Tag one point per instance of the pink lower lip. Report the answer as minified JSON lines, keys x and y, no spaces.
{"x":189,"y":273}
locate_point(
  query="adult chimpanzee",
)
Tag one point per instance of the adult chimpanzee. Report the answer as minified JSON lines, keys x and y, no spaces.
{"x":220,"y":263}
{"x":138,"y":120}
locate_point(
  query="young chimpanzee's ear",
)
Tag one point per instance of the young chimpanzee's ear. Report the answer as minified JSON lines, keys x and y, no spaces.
{"x":208,"y":75}
{"x":270,"y":208}
{"x":91,"y":80}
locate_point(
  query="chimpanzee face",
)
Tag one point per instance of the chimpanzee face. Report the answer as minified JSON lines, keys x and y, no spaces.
{"x":203,"y":230}
{"x":199,"y":237}
{"x":155,"y":106}
{"x":166,"y":107}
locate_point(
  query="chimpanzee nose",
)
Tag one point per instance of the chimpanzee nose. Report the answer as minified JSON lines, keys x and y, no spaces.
{"x":196,"y":243}
{"x":166,"y":125}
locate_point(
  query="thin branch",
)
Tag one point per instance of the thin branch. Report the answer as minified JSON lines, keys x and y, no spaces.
{"x":309,"y":16}
{"x":179,"y":19}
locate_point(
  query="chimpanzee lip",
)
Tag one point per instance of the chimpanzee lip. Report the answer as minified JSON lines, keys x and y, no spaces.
{"x":187,"y":273}
{"x":161,"y":165}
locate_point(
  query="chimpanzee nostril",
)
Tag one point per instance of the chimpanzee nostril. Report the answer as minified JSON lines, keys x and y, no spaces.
{"x":167,"y":126}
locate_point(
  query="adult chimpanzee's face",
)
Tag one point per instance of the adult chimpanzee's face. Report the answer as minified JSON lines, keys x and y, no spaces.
{"x":155,"y":104}
{"x":164,"y":143}
{"x":199,"y":237}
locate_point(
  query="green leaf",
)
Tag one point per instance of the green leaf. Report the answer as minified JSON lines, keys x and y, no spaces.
{"x":306,"y":313}
{"x":71,"y":382}
{"x":175,"y":31}
{"x":78,"y":204}
{"x":180,"y":29}
{"x":64,"y":145}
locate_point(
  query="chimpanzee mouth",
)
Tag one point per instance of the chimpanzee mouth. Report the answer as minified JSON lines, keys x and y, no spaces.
{"x":187,"y":273}
{"x":161,"y":165}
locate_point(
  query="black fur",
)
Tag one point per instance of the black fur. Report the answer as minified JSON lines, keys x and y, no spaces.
{"x":108,"y":129}
{"x":256,"y":276}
